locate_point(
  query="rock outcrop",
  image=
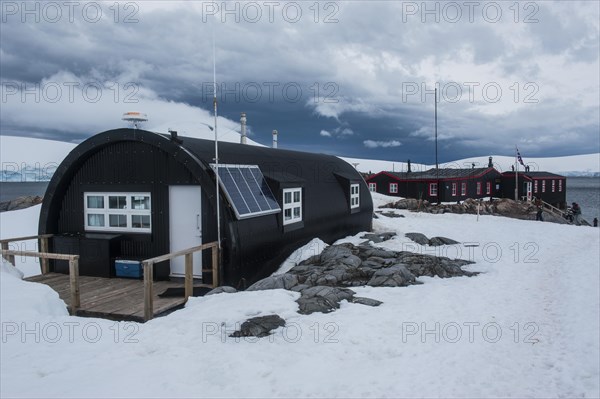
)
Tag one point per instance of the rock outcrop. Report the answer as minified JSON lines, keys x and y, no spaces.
{"x":20,"y":203}
{"x":325,"y":280}
{"x":498,"y":207}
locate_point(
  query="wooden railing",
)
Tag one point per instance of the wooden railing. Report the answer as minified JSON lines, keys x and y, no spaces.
{"x":552,"y":208}
{"x":43,"y":249}
{"x":148,"y":265}
{"x":189,"y":274}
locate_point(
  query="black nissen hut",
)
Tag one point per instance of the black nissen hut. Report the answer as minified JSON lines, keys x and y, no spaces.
{"x":133,"y":194}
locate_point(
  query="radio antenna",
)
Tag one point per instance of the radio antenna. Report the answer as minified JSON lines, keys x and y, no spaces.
{"x":218,"y":197}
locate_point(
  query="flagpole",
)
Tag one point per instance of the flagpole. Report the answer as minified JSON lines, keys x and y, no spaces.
{"x":516,"y":175}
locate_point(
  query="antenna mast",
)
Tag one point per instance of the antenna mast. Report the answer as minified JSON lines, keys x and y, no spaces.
{"x":437,"y":171}
{"x":218,"y":197}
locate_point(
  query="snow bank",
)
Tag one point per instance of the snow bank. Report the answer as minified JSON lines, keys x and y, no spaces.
{"x":314,"y":247}
{"x":526,"y":327}
{"x":22,"y":223}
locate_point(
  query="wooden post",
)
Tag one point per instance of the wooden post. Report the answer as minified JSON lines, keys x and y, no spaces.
{"x":215,"y":266}
{"x":189,"y":275}
{"x":74,"y":282}
{"x":148,"y":291}
{"x":44,"y":249}
{"x":9,"y":258}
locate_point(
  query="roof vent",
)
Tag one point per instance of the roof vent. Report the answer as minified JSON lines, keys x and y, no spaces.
{"x":174,"y":137}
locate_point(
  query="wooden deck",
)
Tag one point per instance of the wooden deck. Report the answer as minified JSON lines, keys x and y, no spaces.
{"x":113,"y":298}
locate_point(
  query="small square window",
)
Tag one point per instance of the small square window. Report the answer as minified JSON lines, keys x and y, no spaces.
{"x":140,"y":202}
{"x":117,"y":220}
{"x":354,"y":196}
{"x":292,"y":205}
{"x":117,"y":202}
{"x":95,"y":220}
{"x":140,"y":221}
{"x":95,"y":202}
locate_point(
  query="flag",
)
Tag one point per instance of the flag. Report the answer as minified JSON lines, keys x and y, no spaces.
{"x":519,"y":158}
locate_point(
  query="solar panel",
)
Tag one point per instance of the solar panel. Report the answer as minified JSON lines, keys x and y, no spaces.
{"x":247,"y":191}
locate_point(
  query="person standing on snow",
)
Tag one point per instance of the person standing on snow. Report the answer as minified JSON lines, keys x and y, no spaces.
{"x":576,"y":213}
{"x":540,"y":210}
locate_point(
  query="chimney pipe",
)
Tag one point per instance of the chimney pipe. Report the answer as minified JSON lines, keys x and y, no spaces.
{"x":274,"y":138}
{"x":243,"y":128}
{"x":408,"y":167}
{"x":490,"y":163}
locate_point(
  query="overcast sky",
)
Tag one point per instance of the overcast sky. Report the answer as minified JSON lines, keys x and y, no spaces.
{"x":349,"y":78}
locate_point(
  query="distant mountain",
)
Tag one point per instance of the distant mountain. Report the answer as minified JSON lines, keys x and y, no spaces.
{"x":587,"y":165}
{"x":31,"y":159}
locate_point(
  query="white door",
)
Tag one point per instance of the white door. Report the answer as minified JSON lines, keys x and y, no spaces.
{"x":185,"y":226}
{"x":528,"y":188}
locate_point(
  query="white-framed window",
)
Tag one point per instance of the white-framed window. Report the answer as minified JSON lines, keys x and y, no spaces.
{"x":433,"y":189}
{"x":292,"y":205}
{"x":117,"y":212}
{"x":543,"y":186}
{"x":454,"y":189}
{"x":560,"y":185}
{"x":553,"y":185}
{"x":478,"y":188}
{"x":488,"y":187}
{"x":393,"y":188}
{"x":354,"y":196}
{"x":372,"y":187}
{"x":463,"y":189}
{"x":535,"y":186}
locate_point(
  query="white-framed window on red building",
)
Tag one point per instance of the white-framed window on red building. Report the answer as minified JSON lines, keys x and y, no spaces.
{"x":372,"y":187}
{"x":535,"y":186}
{"x":543,"y":186}
{"x":488,"y":187}
{"x":454,"y":189}
{"x":393,"y":188}
{"x":463,"y":189}
{"x":560,"y":185}
{"x":553,"y":185}
{"x":478,"y":188}
{"x":433,"y":189}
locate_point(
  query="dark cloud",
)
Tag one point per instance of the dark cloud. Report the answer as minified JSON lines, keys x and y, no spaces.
{"x":354,"y":75}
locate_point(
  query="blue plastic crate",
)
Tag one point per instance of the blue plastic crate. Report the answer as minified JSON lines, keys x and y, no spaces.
{"x":129,"y":268}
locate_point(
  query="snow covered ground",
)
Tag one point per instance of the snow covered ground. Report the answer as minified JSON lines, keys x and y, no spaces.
{"x":527,"y":326}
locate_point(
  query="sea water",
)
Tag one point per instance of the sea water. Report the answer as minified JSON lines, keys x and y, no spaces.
{"x":586,"y":192}
{"x":583,"y":190}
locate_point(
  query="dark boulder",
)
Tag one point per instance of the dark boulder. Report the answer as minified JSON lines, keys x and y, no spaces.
{"x":259,"y":326}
